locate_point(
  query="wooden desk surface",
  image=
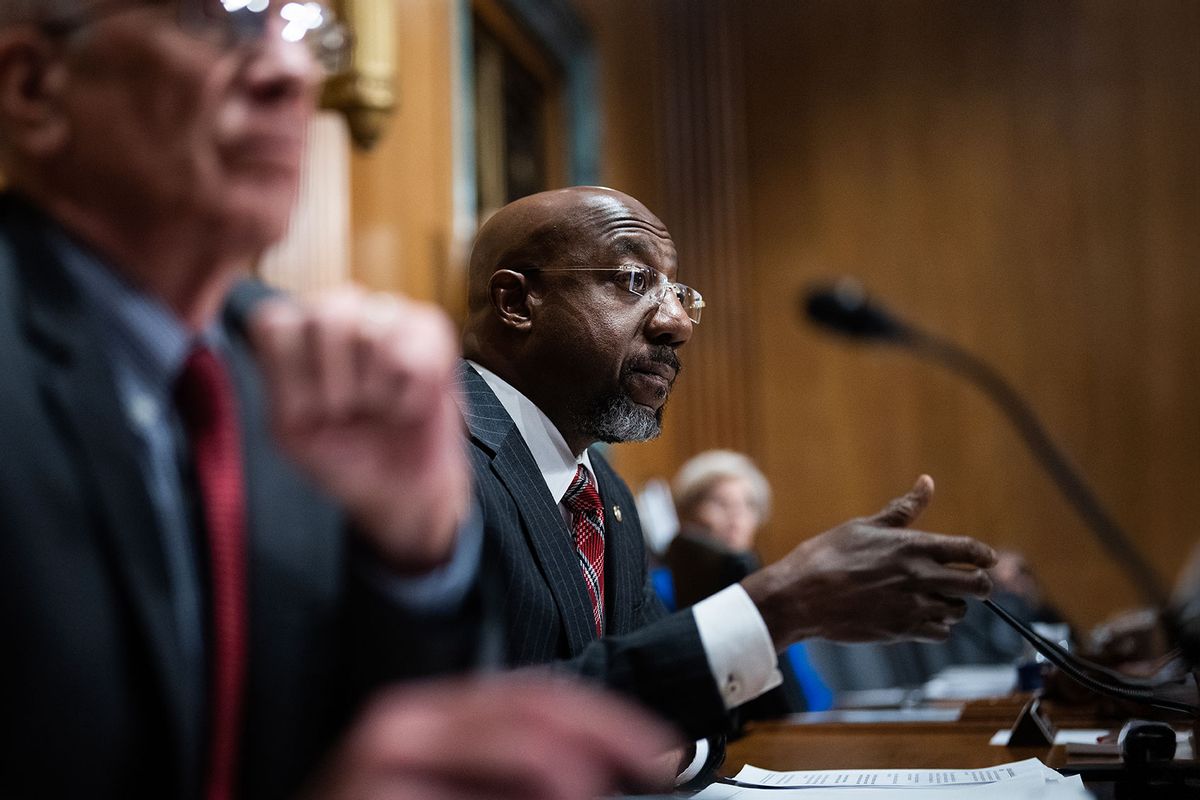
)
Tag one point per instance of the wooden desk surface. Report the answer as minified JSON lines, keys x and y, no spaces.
{"x":919,"y":745}
{"x":960,"y":744}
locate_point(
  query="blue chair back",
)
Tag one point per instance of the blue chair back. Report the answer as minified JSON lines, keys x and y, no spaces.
{"x":664,"y":586}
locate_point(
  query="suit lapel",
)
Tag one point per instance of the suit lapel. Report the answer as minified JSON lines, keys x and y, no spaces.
{"x":77,"y":385}
{"x":546,"y":533}
{"x":294,"y":578}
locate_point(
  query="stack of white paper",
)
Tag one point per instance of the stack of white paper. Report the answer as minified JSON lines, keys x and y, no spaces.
{"x":1020,"y":780}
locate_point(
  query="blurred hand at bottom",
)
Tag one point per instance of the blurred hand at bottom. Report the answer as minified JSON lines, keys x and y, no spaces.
{"x":520,"y":737}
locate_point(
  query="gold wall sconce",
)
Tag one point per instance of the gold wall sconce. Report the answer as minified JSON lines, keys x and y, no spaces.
{"x":365,"y":91}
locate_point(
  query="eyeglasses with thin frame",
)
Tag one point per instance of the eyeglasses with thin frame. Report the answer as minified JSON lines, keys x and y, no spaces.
{"x":644,"y":281}
{"x":230,"y":24}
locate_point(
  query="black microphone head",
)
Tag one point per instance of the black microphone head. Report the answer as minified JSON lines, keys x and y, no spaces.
{"x":843,"y":307}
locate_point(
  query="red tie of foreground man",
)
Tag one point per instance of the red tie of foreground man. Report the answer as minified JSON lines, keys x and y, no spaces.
{"x":587,"y":515}
{"x":209,"y":411}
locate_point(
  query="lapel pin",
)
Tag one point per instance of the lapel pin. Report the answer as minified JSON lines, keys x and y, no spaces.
{"x":617,"y":513}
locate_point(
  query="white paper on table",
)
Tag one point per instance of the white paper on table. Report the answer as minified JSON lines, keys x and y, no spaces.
{"x":1031,"y":786}
{"x":1062,"y":736}
{"x":906,"y":778}
{"x":1183,"y":747}
{"x":1084,"y":742}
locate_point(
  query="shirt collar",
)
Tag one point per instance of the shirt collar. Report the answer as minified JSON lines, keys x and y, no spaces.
{"x":146,"y":334}
{"x":554,"y":458}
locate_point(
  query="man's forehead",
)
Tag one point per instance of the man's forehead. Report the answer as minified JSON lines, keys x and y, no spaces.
{"x":625,"y":229}
{"x":639,"y":245}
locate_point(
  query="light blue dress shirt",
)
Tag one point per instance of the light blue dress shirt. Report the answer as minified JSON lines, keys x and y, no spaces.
{"x":147,"y":347}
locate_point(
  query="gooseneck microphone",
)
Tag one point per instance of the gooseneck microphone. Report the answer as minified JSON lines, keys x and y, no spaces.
{"x":844,"y":308}
{"x":1172,"y":695}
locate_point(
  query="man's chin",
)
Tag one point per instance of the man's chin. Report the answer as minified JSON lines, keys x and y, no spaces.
{"x":654,"y":407}
{"x":622,"y":419}
{"x":256,"y":220}
{"x":647,"y":389}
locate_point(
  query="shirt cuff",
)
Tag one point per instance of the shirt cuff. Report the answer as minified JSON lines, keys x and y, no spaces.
{"x":737,"y":645}
{"x":693,"y":769}
{"x":441,"y":590}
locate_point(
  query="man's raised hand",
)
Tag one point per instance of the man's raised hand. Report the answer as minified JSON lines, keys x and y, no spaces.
{"x":873,"y":579}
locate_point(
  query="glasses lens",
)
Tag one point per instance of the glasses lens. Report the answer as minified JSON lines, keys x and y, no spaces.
{"x":330,"y":44}
{"x":691,"y":301}
{"x":236,"y":22}
{"x":653,"y":285}
{"x":641,"y":279}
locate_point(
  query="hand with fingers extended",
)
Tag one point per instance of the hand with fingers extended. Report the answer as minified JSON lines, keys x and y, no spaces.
{"x":517,"y":737}
{"x":873,"y":579}
{"x":361,"y":388}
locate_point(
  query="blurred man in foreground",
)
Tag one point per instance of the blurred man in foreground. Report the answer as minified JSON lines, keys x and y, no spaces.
{"x":183,"y":615}
{"x":575,"y":323}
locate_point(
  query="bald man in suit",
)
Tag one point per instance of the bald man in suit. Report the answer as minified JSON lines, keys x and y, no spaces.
{"x":575,"y":327}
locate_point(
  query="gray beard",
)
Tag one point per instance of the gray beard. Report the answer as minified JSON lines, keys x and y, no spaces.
{"x":617,"y":418}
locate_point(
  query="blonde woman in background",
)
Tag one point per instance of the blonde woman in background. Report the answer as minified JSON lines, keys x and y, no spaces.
{"x":721,"y":495}
{"x":722,"y":500}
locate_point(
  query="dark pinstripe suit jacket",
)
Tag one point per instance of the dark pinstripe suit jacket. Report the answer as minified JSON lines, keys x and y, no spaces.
{"x":646,"y":653}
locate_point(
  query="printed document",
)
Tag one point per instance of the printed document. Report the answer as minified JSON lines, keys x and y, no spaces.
{"x":1019,"y":780}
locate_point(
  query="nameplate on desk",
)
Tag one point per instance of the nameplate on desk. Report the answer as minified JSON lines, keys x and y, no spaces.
{"x":1032,"y":728}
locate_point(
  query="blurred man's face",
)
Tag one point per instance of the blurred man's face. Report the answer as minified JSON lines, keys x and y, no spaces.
{"x":169,"y":119}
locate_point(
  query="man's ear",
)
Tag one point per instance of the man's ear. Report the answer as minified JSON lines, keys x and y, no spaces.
{"x":32,"y":78}
{"x":512,"y":299}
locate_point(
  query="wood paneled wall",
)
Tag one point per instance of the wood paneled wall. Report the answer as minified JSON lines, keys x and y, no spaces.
{"x":407,"y":231}
{"x":1022,"y":177}
{"x":315,"y":254}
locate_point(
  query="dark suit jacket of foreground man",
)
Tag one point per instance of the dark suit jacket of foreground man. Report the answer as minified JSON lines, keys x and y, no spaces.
{"x":655,"y":657}
{"x":89,"y":683}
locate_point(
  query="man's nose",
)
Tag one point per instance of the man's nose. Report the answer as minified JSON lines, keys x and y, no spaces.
{"x":278,"y":69}
{"x":670,"y":323}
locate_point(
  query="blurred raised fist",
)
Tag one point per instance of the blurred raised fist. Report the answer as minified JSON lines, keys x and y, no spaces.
{"x":360,"y":389}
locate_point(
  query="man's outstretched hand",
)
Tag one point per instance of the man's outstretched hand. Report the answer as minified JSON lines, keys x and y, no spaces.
{"x":873,"y":579}
{"x":515,"y":737}
{"x":361,"y":398}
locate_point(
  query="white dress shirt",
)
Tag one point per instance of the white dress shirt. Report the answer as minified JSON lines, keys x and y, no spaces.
{"x":737,"y":645}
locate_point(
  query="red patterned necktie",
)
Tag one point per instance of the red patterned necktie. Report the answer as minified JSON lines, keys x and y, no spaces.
{"x":587,"y":517}
{"x":206,"y":404}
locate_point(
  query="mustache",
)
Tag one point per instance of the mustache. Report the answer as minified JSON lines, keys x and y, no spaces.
{"x":659,"y":354}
